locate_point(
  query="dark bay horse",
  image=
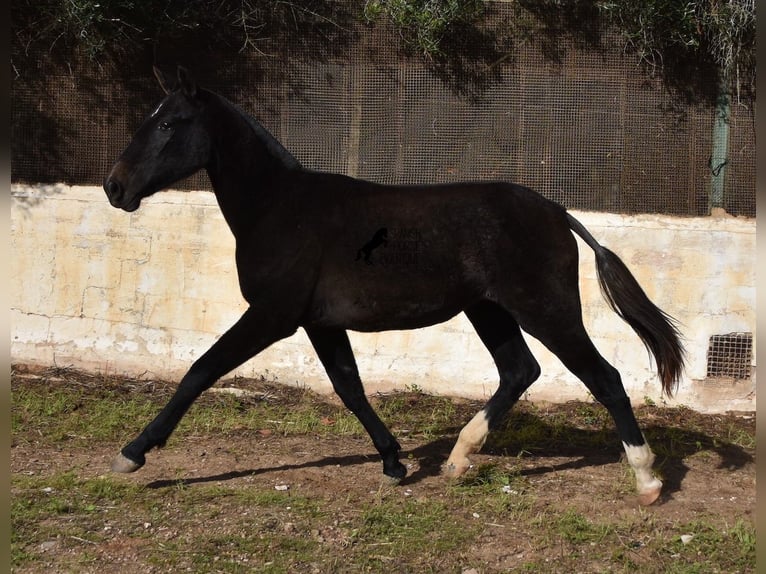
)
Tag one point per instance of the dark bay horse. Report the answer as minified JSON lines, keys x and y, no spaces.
{"x":499,"y":252}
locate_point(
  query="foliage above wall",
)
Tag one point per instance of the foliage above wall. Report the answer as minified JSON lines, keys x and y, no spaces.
{"x":664,"y":33}
{"x":117,"y":30}
{"x":669,"y":37}
{"x":423,"y":24}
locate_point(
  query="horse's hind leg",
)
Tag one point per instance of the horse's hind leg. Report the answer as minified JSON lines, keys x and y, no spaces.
{"x":334,"y":350}
{"x":565,"y":335}
{"x":517,"y":368}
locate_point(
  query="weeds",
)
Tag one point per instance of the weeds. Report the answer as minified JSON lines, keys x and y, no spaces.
{"x":577,"y":529}
{"x":65,"y":519}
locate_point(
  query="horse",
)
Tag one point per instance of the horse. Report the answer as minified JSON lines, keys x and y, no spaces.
{"x":499,"y":252}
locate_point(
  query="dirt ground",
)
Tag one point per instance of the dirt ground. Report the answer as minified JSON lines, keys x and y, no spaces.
{"x":704,"y":477}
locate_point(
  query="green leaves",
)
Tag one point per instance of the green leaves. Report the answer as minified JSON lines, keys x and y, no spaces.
{"x":720,"y":32}
{"x":423,"y":24}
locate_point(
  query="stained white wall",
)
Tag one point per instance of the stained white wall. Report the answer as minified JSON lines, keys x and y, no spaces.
{"x":144,"y":294}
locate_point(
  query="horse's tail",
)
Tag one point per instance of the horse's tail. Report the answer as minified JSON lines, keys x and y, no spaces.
{"x":657,"y":329}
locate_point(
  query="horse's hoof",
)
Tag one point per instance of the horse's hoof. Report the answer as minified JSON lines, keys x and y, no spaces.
{"x":391,"y":480}
{"x":395,"y":473}
{"x":392,"y":466}
{"x":453,"y":470}
{"x":123,"y":464}
{"x":649,"y":497}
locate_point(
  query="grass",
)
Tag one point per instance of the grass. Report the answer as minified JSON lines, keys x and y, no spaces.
{"x":391,"y":529}
{"x":61,"y":506}
{"x":109,"y":411}
{"x":496,"y":518}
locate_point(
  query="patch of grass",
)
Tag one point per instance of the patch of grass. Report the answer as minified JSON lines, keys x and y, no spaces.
{"x":244,"y":550}
{"x":731,"y":549}
{"x":75,"y":414}
{"x":740,"y":437}
{"x":420,"y":414}
{"x":67,"y":492}
{"x":245,"y":525}
{"x":576,"y":528}
{"x":247,"y":552}
{"x":494,"y":492}
{"x":109,"y":412}
{"x":413,"y":528}
{"x":487,"y":476}
{"x":530,"y":429}
{"x":593,"y":415}
{"x":62,"y":505}
{"x":228,"y":413}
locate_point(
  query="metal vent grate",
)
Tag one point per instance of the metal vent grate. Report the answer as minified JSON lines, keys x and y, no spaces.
{"x":730,"y":355}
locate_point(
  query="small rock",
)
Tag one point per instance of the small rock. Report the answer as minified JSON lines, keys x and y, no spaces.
{"x":48,"y":545}
{"x":470,"y":571}
{"x":282,"y":487}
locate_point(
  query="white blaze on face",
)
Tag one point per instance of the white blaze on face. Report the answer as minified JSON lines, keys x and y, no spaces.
{"x":157,"y":109}
{"x":641,"y":459}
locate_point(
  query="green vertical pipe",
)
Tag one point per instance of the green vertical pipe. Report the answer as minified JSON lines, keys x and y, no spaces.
{"x":720,"y":151}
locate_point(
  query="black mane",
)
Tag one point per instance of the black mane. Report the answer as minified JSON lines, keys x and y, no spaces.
{"x":272,"y":144}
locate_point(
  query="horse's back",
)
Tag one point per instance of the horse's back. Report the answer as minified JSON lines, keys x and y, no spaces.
{"x":446,"y":247}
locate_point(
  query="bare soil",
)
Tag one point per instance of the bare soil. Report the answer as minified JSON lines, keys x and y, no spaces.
{"x":706,"y":478}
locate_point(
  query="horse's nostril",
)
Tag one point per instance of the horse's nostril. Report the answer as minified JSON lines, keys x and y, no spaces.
{"x":112,"y":188}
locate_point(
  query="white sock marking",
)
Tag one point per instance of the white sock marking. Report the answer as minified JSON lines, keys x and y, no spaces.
{"x":470,"y":440}
{"x":641,"y":459}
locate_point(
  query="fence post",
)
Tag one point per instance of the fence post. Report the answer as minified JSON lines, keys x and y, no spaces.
{"x":720,"y":146}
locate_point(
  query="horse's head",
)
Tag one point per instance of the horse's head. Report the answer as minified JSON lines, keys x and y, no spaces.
{"x":171,"y":144}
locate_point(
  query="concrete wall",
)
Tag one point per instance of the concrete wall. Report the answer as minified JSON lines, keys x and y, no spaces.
{"x":146,"y":293}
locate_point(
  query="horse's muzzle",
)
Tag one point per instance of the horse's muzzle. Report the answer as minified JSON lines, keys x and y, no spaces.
{"x":113,"y":191}
{"x":116,"y":194}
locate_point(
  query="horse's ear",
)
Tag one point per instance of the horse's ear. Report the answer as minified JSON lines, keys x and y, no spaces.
{"x":163,"y":80}
{"x":186,"y":82}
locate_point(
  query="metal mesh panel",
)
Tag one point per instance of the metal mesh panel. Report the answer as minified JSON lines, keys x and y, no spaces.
{"x":590,"y":131}
{"x":316,"y":121}
{"x":739,"y":198}
{"x":730,"y":355}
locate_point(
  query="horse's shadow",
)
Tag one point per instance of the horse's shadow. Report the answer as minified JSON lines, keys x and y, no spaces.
{"x":583,"y":448}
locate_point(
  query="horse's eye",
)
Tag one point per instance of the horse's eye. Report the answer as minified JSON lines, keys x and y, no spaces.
{"x":165,"y":126}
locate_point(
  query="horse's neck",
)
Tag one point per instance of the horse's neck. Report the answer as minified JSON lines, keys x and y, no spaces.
{"x":246,"y":158}
{"x":264,"y":145}
{"x":273,"y":146}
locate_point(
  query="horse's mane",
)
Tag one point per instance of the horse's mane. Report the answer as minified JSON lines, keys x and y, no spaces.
{"x":271,"y":143}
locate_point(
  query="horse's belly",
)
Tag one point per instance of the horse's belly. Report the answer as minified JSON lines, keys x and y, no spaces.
{"x":393,"y":307}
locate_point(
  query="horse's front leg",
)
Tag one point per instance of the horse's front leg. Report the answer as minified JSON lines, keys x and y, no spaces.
{"x":334,"y":350}
{"x":255,"y":330}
